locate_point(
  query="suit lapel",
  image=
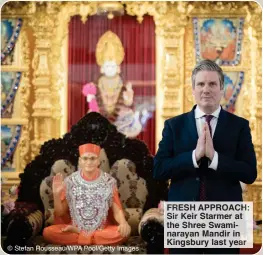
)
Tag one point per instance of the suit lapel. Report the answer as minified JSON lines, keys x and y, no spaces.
{"x":220,"y":128}
{"x":192,"y":125}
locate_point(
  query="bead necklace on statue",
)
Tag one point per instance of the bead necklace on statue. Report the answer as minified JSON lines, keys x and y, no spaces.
{"x":120,"y":103}
{"x":110,"y":89}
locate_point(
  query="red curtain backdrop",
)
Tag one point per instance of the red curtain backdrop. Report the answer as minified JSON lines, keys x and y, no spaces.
{"x":138,"y":67}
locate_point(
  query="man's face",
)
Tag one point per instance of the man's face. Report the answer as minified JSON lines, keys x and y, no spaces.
{"x":88,"y":162}
{"x":207,"y":91}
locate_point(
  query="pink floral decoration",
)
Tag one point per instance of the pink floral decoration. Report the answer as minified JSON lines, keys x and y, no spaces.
{"x":93,"y":105}
{"x":89,"y":88}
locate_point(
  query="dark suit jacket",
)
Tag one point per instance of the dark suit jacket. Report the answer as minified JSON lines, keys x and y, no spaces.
{"x":236,"y":158}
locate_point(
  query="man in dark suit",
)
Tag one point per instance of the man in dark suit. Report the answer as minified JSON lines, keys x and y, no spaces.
{"x":208,"y":151}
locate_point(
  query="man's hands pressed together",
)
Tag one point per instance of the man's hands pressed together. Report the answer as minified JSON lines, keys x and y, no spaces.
{"x":204,"y":145}
{"x":209,"y":146}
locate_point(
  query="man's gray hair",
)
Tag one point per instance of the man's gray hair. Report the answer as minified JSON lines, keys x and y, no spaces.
{"x":208,"y":65}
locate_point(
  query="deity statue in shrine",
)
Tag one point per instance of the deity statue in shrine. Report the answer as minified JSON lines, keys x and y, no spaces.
{"x":111,"y":96}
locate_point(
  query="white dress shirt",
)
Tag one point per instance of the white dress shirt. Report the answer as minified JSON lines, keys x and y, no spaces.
{"x":200,"y":122}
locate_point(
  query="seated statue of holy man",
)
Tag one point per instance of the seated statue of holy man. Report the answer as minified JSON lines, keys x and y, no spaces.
{"x":87,"y":207}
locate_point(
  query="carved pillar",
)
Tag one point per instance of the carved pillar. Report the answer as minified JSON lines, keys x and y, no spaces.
{"x":170,"y":30}
{"x":43,"y":27}
{"x":25,"y":93}
{"x":57,"y":66}
{"x":189,"y":59}
{"x":170,"y":27}
{"x":255,"y":35}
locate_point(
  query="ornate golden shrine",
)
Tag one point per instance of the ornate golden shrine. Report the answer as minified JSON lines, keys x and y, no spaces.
{"x":44,"y":39}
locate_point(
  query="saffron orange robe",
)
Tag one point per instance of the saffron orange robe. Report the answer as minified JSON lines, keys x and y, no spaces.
{"x":109,"y":235}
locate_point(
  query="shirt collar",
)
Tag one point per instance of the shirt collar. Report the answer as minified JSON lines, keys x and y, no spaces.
{"x":199,"y":113}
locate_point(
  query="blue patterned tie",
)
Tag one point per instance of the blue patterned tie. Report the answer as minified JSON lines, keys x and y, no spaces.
{"x":202,"y":194}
